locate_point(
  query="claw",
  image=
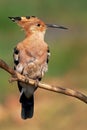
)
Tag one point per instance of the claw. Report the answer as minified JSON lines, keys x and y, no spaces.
{"x":36,"y":83}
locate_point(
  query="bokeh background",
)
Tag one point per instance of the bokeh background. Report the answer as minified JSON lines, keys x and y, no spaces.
{"x":67,"y":66}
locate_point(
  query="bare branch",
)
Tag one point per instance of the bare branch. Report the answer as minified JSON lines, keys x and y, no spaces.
{"x":4,"y":66}
{"x":18,"y":77}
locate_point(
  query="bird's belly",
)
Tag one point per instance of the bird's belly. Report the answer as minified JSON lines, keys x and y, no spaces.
{"x":34,"y":70}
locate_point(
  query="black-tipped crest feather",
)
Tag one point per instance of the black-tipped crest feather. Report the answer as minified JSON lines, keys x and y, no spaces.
{"x":15,"y":18}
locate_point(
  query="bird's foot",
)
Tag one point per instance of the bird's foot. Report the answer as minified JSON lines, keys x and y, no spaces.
{"x":26,"y":79}
{"x":36,"y":83}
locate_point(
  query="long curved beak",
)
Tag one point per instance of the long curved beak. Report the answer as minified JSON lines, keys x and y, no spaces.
{"x":55,"y":26}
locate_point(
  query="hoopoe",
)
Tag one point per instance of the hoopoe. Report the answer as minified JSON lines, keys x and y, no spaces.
{"x":31,"y":58}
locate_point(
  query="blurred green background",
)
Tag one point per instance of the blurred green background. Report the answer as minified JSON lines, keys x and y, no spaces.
{"x":67,"y":66}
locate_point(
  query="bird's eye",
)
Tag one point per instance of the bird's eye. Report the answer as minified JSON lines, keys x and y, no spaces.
{"x":38,"y":25}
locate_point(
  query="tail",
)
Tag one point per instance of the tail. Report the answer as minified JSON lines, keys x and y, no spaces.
{"x":27,"y":106}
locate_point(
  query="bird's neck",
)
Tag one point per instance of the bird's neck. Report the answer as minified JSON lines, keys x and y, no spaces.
{"x":36,"y":35}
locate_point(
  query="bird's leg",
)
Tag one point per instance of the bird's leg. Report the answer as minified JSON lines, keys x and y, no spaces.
{"x":36,"y":83}
{"x":26,"y":79}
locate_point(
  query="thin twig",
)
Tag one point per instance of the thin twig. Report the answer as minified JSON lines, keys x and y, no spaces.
{"x":18,"y":77}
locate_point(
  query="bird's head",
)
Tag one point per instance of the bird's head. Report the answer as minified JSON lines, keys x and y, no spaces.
{"x":30,"y":24}
{"x":33,"y":24}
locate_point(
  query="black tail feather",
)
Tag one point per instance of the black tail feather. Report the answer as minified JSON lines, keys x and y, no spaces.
{"x":27,"y":106}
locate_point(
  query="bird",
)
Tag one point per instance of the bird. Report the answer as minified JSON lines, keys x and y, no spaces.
{"x":31,"y":57}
